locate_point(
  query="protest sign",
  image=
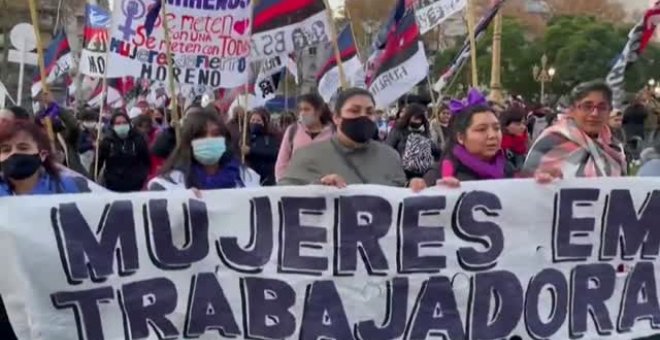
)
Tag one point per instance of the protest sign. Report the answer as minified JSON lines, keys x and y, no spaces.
{"x":209,"y":41}
{"x":285,"y":26}
{"x":431,"y":13}
{"x":95,"y":41}
{"x":562,"y":261}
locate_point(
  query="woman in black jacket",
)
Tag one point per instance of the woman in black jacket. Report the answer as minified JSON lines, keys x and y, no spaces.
{"x":411,"y":138}
{"x":125,"y":154}
{"x":261,"y":155}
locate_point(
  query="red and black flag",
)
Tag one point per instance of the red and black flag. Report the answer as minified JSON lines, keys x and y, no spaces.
{"x":402,"y":64}
{"x":328,"y":76}
{"x":283,"y":26}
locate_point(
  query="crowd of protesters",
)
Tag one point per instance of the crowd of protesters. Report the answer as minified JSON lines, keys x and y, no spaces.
{"x":349,"y":141}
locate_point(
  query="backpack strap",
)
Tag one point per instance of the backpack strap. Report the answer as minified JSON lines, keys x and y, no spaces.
{"x":292,"y":135}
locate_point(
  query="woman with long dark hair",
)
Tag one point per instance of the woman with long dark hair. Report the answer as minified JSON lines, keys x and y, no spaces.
{"x":28,"y":168}
{"x":203,"y":159}
{"x":314,"y":125}
{"x":27,"y":164}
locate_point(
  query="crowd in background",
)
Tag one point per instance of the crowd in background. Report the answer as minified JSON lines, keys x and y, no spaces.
{"x":349,"y":141}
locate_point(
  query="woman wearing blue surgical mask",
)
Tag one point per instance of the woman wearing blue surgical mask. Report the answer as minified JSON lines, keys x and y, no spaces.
{"x":202,"y":160}
{"x":123,"y":156}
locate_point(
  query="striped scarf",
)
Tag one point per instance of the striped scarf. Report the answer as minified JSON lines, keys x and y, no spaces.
{"x":565,"y":147}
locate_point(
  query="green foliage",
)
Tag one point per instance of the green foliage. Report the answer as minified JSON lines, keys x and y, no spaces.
{"x":580,"y":48}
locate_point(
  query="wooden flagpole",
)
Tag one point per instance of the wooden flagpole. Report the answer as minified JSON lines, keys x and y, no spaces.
{"x":42,"y":69}
{"x":350,"y":22}
{"x":104,"y":99}
{"x":496,"y":68}
{"x":174,"y":101}
{"x":473,"y":42}
{"x":335,"y":45}
{"x":248,"y":69}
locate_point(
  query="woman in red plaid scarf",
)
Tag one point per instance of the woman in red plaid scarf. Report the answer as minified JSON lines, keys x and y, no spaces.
{"x":580,"y":144}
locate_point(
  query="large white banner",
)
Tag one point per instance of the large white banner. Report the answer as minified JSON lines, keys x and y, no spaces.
{"x":431,"y":13}
{"x":572,"y":260}
{"x":210,"y":41}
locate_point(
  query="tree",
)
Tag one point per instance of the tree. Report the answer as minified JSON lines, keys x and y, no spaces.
{"x":580,"y":48}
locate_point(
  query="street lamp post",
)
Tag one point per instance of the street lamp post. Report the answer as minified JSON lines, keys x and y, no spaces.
{"x":543,"y":75}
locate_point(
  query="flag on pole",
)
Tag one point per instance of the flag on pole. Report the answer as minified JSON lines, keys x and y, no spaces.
{"x":378,"y":45}
{"x":401,"y":65}
{"x":432,"y":13}
{"x":58,"y":60}
{"x":284,"y":26}
{"x":328,"y":75}
{"x":638,"y":39}
{"x":95,"y":41}
{"x":268,"y":79}
{"x":464,"y":54}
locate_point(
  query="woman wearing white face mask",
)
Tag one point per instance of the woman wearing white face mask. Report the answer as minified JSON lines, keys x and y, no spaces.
{"x":125,"y":155}
{"x":314,"y":125}
{"x":202,"y":161}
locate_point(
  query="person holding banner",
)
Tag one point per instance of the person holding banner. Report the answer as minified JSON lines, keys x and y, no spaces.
{"x":352,"y":156}
{"x":203,"y":159}
{"x":474,"y":149}
{"x":580,"y":144}
{"x":28,"y":166}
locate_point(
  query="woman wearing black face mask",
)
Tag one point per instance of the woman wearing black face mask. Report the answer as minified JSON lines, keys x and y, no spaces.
{"x":261,"y":155}
{"x":27,"y":164}
{"x":351,"y":157}
{"x":412,"y":139}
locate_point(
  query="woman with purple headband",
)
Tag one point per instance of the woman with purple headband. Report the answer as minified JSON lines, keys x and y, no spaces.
{"x":474,"y":149}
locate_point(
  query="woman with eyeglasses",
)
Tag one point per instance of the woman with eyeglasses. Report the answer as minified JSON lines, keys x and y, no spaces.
{"x":580,"y":144}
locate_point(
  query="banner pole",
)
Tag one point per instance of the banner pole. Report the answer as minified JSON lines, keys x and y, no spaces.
{"x":496,"y":68}
{"x":335,"y":45}
{"x":286,"y":92}
{"x":246,"y":90}
{"x":21,"y":71}
{"x":104,"y":99}
{"x":174,"y":101}
{"x":350,"y":22}
{"x":473,"y":43}
{"x":42,"y":68}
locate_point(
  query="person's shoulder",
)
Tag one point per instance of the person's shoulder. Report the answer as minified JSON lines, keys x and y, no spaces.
{"x":75,"y":180}
{"x":650,"y":169}
{"x":174,"y":179}
{"x":385,"y":150}
{"x":548,"y":141}
{"x":315,"y":149}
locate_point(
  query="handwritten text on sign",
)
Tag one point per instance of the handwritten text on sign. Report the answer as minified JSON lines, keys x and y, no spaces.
{"x":209,"y":41}
{"x":367,"y":262}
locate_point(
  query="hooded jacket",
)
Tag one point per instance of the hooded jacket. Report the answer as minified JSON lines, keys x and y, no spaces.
{"x":126,"y":161}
